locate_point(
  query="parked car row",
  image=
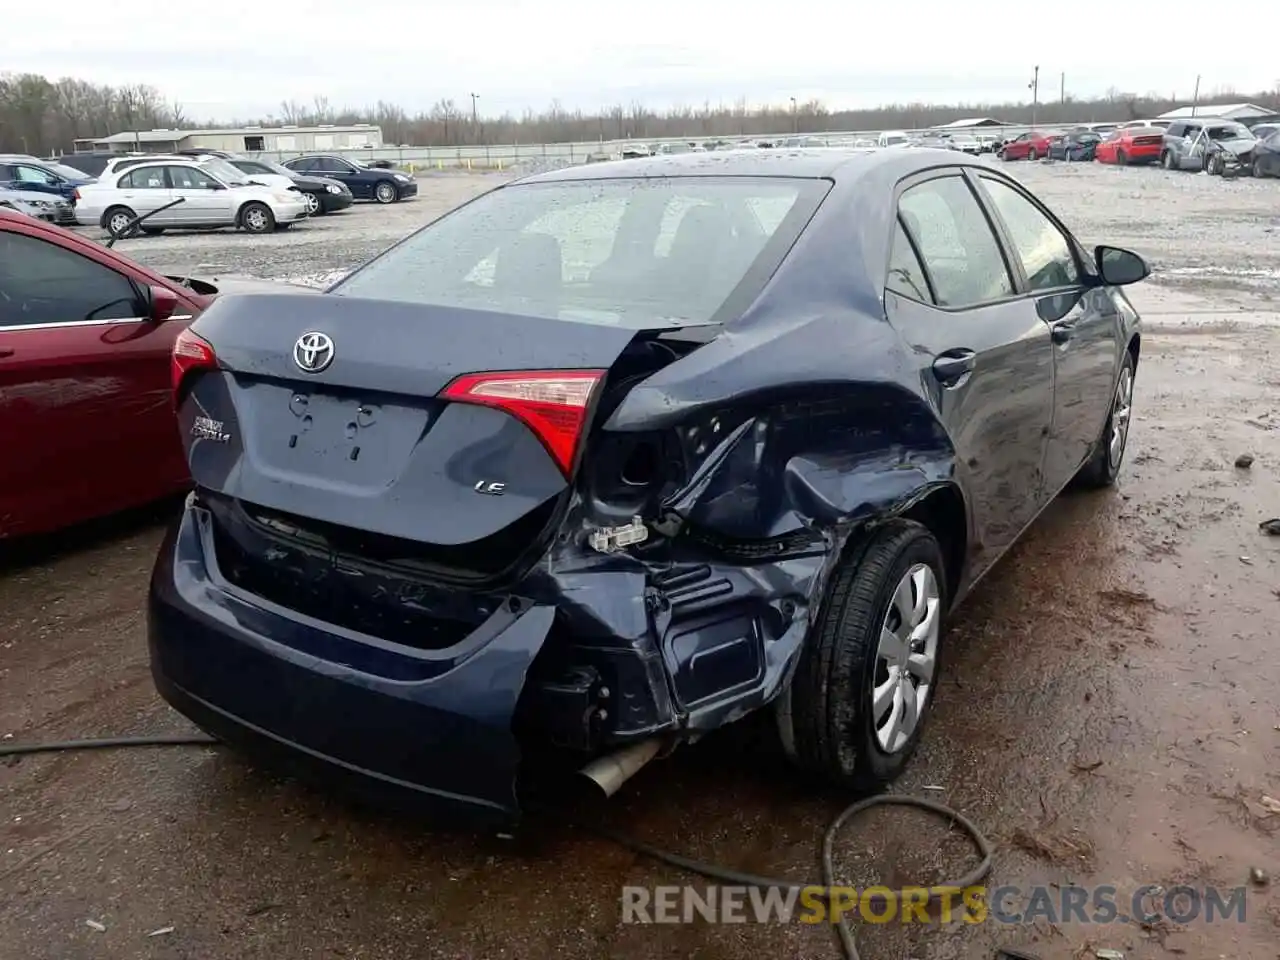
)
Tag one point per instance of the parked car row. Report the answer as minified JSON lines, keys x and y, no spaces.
{"x":191,"y":189}
{"x":1214,"y":145}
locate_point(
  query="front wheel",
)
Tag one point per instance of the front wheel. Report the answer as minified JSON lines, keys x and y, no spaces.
{"x":855,"y":709}
{"x":1032,"y":155}
{"x":1103,"y":467}
{"x":314,"y":206}
{"x":257,"y":218}
{"x":1166,"y":160}
{"x":385,"y":192}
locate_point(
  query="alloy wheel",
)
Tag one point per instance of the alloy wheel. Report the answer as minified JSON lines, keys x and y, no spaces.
{"x":385,"y":193}
{"x":255,"y":219}
{"x":906,"y":657}
{"x":1121,"y":411}
{"x":313,"y":204}
{"x":118,"y":222}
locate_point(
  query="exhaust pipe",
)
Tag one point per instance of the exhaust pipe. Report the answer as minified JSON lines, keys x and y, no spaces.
{"x":610,"y":772}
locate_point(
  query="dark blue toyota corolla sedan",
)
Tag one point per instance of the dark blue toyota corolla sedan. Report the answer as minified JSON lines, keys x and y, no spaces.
{"x":612,"y":456}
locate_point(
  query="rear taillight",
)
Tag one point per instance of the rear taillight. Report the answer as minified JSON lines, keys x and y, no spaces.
{"x":190,"y":353}
{"x":551,"y":403}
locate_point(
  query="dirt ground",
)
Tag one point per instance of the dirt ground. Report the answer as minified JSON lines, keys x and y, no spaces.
{"x":1109,"y":713}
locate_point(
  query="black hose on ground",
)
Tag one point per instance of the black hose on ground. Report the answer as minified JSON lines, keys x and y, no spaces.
{"x":713,"y":871}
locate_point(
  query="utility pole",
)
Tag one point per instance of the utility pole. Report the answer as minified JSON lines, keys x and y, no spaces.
{"x":474,"y":117}
{"x":1195,"y":97}
{"x":1035,"y":95}
{"x":795,"y":116}
{"x":1062,"y":89}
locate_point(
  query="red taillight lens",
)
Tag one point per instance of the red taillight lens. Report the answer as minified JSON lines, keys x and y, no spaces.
{"x":551,"y":403}
{"x":190,"y":353}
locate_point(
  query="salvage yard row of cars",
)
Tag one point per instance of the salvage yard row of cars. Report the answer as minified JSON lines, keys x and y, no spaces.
{"x":551,"y":520}
{"x":1213,"y":145}
{"x":192,"y":189}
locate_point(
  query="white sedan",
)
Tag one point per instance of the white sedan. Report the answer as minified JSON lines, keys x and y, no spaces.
{"x":184,"y":193}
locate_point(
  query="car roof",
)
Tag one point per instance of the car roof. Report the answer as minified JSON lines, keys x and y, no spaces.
{"x":840,"y":164}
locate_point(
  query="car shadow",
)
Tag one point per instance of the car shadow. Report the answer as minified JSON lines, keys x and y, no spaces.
{"x":19,"y":553}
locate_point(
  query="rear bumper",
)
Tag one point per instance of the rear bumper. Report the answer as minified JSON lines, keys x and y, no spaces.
{"x":414,"y":730}
{"x":1145,"y":152}
{"x":593,"y":652}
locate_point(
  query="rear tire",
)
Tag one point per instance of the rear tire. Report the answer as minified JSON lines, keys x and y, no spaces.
{"x":1122,"y":158}
{"x":314,"y":205}
{"x":1103,"y":468}
{"x":827,"y":717}
{"x":385,"y":192}
{"x":1166,"y":159}
{"x":257,"y":218}
{"x":1032,"y":155}
{"x":116,"y":219}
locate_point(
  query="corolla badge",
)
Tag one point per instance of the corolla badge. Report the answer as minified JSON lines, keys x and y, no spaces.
{"x":313,"y":352}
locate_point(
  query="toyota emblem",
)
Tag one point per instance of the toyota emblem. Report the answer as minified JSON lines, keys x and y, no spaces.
{"x":313,"y":352}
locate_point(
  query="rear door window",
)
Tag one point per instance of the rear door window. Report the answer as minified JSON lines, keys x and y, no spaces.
{"x":956,"y":242}
{"x":906,"y":275}
{"x":1045,"y":253}
{"x":144,"y":178}
{"x":43,"y":283}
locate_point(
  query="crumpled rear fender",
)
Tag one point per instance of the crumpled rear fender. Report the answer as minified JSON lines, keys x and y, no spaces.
{"x":717,"y":604}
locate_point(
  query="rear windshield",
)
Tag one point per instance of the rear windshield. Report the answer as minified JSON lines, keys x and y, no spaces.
{"x":626,"y":252}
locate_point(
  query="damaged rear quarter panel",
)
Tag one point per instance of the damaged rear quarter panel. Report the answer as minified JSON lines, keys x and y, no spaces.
{"x":825,"y":428}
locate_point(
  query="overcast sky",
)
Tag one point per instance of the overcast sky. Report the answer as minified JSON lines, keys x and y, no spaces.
{"x":236,"y":59}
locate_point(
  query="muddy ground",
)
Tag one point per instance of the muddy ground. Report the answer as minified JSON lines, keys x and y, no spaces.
{"x":1109,"y":714}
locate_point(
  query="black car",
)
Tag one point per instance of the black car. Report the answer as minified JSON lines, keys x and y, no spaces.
{"x":90,"y":164}
{"x":322,"y":194}
{"x":469,"y":513}
{"x":365,"y":183}
{"x":1266,"y":156}
{"x":1076,"y":145}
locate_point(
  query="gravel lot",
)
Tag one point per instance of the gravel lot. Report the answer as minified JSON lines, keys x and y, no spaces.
{"x":1109,"y":714}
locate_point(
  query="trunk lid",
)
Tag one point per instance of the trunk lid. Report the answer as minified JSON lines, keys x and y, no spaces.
{"x":362,"y":457}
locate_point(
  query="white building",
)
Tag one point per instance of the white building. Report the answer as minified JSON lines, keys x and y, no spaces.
{"x":1227,"y":111}
{"x":283,"y":139}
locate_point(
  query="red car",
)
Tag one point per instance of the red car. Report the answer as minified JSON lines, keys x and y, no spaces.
{"x":1131,"y":145}
{"x":86,"y":336}
{"x":1028,"y":146}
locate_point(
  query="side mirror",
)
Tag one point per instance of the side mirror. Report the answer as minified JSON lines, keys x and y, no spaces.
{"x":1119,"y":267}
{"x":214,"y":186}
{"x":164,"y":303}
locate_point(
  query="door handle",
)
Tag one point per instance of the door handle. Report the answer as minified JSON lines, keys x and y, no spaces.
{"x":6,"y":351}
{"x":953,"y":366}
{"x":1064,"y":331}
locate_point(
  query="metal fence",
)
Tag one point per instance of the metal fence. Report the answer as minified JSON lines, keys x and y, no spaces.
{"x":525,"y":156}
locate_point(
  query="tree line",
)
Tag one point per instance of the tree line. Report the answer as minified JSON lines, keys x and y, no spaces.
{"x":44,"y":117}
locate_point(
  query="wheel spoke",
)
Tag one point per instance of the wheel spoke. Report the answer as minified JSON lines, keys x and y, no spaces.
{"x":920,"y":583}
{"x":893,"y":648}
{"x":889,"y":734}
{"x":903,"y":601}
{"x":882,"y":699}
{"x":910,"y":709}
{"x":928,"y":623}
{"x":920,"y":666}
